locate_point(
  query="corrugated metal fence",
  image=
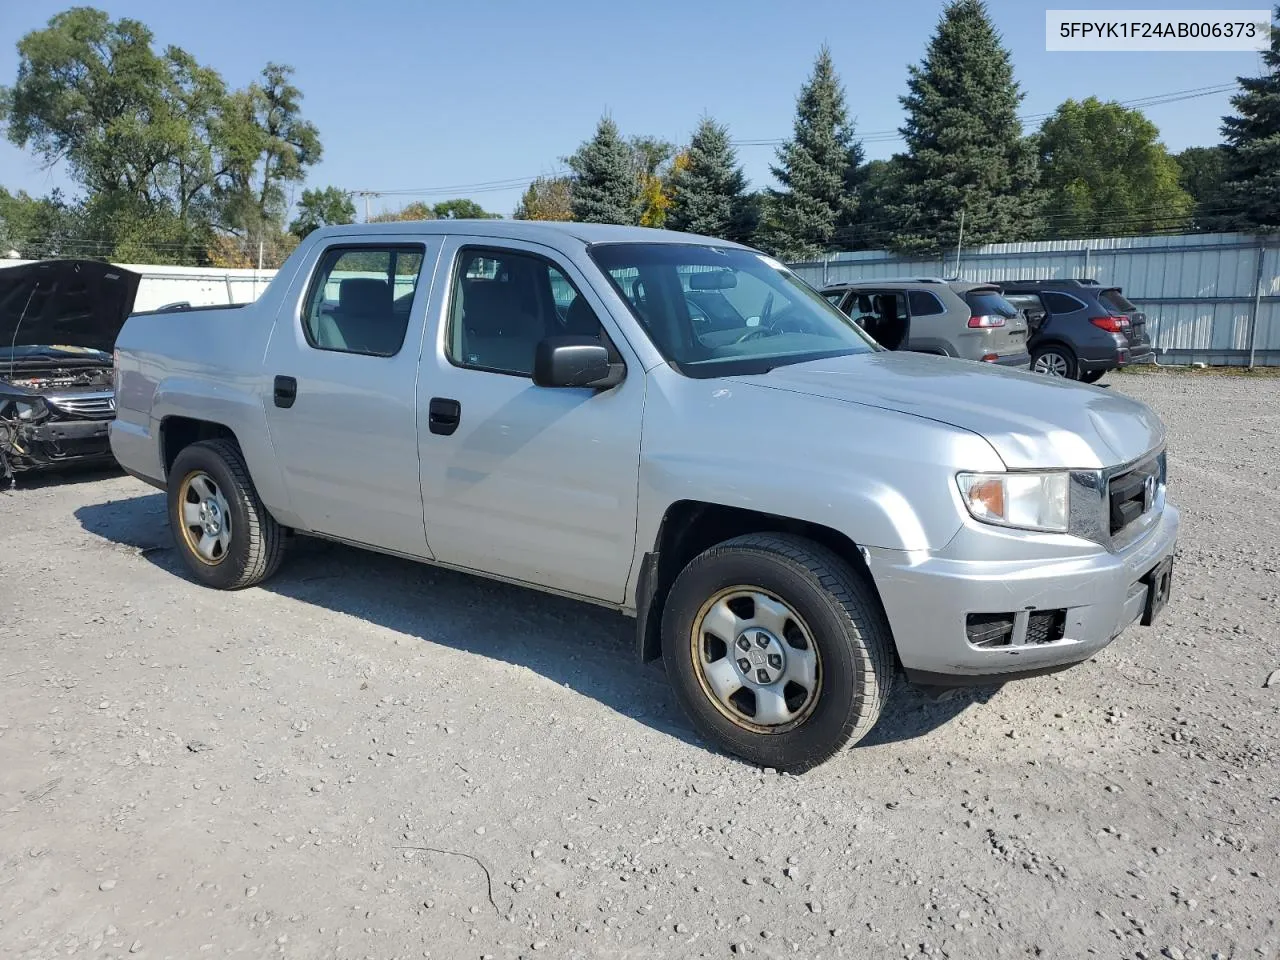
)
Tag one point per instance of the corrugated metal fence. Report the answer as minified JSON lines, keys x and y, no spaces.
{"x":1209,"y":298}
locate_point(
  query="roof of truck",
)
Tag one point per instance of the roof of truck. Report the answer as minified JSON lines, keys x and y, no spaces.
{"x":532,"y":230}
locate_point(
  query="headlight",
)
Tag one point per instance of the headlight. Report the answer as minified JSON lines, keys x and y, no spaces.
{"x":28,"y":409}
{"x":1028,"y":501}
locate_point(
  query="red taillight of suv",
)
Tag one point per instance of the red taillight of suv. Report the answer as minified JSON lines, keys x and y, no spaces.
{"x":1109,"y":324}
{"x":986,"y":322}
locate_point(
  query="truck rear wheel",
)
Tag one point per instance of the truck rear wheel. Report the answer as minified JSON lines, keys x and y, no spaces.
{"x":225,"y":535}
{"x":777,"y":650}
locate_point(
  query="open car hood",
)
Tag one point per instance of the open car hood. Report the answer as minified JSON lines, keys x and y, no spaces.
{"x":64,"y":303}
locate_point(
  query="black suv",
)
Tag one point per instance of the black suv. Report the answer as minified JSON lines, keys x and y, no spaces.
{"x":1079,"y":328}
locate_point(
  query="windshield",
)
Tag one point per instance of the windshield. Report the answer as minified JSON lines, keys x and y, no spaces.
{"x":1115,"y":300}
{"x":989,"y":303}
{"x":719,"y":311}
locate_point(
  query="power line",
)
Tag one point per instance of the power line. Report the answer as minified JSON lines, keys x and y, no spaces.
{"x":1154,"y":100}
{"x":874,"y":136}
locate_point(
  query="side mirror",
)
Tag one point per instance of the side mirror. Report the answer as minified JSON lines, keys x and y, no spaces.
{"x":575,"y":362}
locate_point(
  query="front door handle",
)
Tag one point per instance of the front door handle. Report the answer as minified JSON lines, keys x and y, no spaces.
{"x":286,"y":391}
{"x":443,"y":415}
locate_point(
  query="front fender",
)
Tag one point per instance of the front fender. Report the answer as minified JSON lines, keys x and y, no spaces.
{"x":879,"y":477}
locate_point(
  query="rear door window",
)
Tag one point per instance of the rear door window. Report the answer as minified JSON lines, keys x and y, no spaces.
{"x":360,"y":297}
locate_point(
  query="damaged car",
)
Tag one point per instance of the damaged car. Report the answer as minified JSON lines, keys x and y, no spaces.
{"x":58,"y":325}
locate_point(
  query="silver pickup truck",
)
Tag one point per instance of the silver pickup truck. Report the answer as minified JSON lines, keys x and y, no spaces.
{"x":665,"y":424}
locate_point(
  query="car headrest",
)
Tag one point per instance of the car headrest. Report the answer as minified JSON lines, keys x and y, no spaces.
{"x":364,"y":296}
{"x":489,"y":306}
{"x":580,"y":319}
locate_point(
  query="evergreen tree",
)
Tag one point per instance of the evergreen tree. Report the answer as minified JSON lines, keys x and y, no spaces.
{"x":875,"y":186}
{"x":965,"y":147}
{"x":604,"y":188}
{"x":814,"y":169}
{"x":1201,"y":171}
{"x":1251,"y":190}
{"x":709,"y":189}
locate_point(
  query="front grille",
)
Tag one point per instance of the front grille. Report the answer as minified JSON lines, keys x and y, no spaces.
{"x":94,"y":406}
{"x":1046,"y":626}
{"x":1132,"y":494}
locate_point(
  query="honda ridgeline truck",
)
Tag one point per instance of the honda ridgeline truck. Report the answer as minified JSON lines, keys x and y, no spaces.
{"x":669,"y":425}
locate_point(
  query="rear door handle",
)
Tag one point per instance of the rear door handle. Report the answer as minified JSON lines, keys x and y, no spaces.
{"x":286,"y":391}
{"x":443,"y":415}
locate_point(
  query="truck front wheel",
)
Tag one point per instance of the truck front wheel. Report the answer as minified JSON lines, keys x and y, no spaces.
{"x":779,"y":652}
{"x":225,"y":535}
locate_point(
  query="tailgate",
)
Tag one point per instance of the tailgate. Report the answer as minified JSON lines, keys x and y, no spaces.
{"x":1114,"y":300}
{"x":1008,"y":338}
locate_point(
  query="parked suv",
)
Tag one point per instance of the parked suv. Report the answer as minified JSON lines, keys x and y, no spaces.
{"x":930,"y":315}
{"x":1087,"y":329}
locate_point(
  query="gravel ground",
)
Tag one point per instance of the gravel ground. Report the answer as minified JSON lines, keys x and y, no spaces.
{"x":371,"y":758}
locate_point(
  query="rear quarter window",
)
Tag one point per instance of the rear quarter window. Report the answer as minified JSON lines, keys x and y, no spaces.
{"x":1061,"y":302}
{"x":924,"y":304}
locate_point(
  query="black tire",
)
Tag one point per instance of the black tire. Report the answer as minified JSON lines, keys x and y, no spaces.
{"x":1067,"y":358}
{"x":257,"y":541}
{"x":844,"y":617}
{"x":1092,"y":376}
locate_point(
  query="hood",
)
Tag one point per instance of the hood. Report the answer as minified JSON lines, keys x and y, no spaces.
{"x":1033,"y":421}
{"x":81,"y":304}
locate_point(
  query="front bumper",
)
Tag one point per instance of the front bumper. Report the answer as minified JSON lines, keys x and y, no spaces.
{"x":52,"y":443}
{"x":928,"y":598}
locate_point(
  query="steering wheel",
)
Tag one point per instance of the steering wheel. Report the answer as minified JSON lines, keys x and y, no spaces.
{"x":762,"y":328}
{"x":756,"y":333}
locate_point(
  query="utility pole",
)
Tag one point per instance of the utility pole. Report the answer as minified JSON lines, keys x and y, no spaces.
{"x":366,"y":194}
{"x":959,"y":243}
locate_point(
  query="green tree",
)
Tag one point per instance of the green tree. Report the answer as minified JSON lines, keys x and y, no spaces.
{"x":1251,"y":183}
{"x":872,"y":228}
{"x":43,"y":227}
{"x":651,"y":159}
{"x":965,"y":145}
{"x":417,"y":210}
{"x":265,"y":144}
{"x":1201,"y":171}
{"x":132,"y":125}
{"x":708,"y":188}
{"x":604,"y":187}
{"x":322,"y":208}
{"x":462,"y":209}
{"x":815,"y":168}
{"x":159,"y":146}
{"x":547,"y":198}
{"x":1106,"y":171}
